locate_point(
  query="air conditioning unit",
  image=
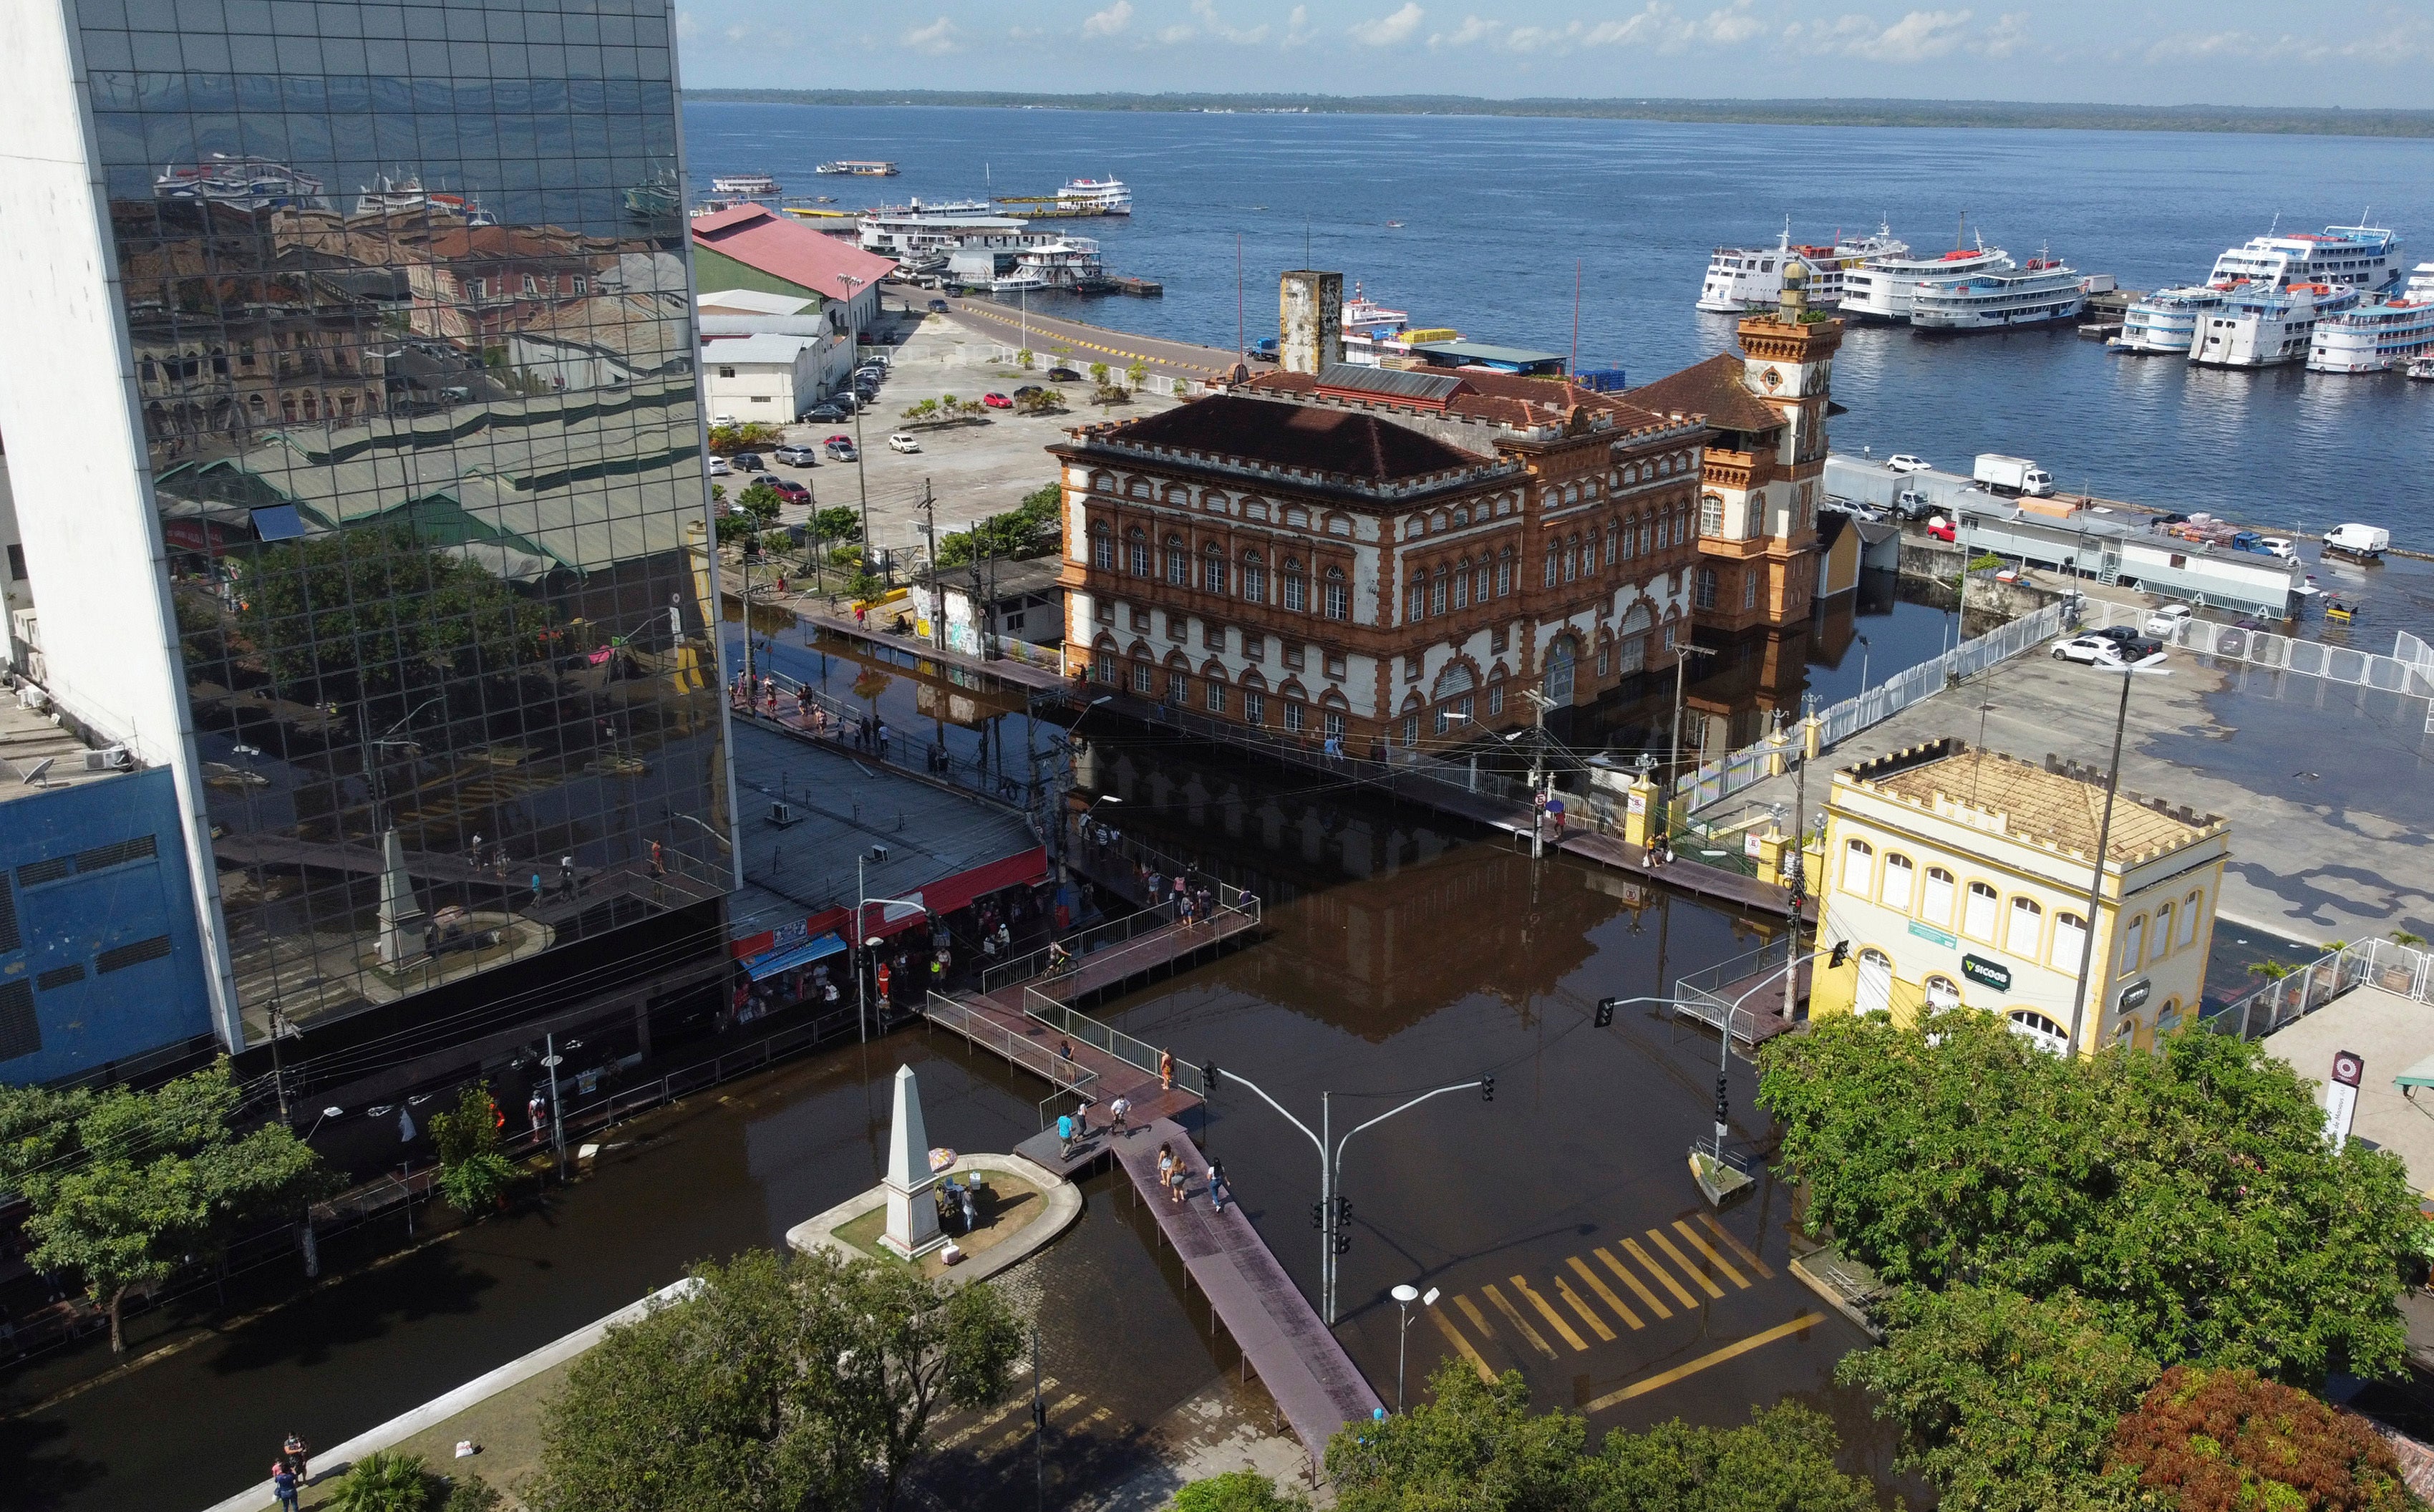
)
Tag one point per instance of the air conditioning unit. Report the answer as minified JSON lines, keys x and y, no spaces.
{"x":782,"y":815}
{"x":109,"y":758}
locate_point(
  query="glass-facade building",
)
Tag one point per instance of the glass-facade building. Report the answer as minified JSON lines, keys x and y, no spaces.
{"x":405,"y":338}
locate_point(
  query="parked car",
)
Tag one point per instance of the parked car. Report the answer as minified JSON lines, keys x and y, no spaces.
{"x":794,"y":455}
{"x":1905,"y":462}
{"x":904,"y":441}
{"x":937,"y":306}
{"x":1063,"y":375}
{"x":790,"y":491}
{"x":841,"y":449}
{"x":718,"y":468}
{"x":995,"y":400}
{"x":1941,"y":530}
{"x":748,"y":462}
{"x":2103,"y":650}
{"x":1912,"y":504}
{"x":825,"y":410}
{"x":1027,"y":390}
{"x":722,"y":420}
{"x":2165,"y":624}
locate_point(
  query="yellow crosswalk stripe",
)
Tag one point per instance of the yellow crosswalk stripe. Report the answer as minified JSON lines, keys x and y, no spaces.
{"x":1710,"y":1250}
{"x":1605,"y":1293}
{"x":1636,"y":1285}
{"x":1515,"y":1318}
{"x":1748,"y":1256}
{"x":1572,"y":1299}
{"x":1462,"y":1346}
{"x":1638,"y":1388}
{"x":1684,"y":1261}
{"x":1555,"y":1318}
{"x":1478,"y":1320}
{"x":1660,"y":1272}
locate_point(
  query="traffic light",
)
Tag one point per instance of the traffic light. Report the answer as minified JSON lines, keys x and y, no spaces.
{"x":1342,"y":1242}
{"x":1487,"y":1089}
{"x":1842,"y":952}
{"x":1605,"y":1013}
{"x":1319,"y":1215}
{"x":1209,"y":1080}
{"x":1342,"y":1211}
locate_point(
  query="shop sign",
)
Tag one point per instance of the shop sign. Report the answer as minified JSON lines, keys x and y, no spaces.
{"x":1986,"y":974}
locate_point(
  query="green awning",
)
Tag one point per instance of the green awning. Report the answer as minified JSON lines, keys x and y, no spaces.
{"x":2420,"y":1074}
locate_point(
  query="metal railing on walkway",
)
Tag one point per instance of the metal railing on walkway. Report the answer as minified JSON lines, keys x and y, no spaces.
{"x":1078,"y":946}
{"x":2408,"y":671}
{"x":1020,"y":1050}
{"x":2375,"y":962}
{"x":1106,"y":1037}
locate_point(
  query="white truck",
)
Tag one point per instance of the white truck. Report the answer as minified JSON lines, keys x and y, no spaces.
{"x":2012,"y":475}
{"x":2364,"y":542}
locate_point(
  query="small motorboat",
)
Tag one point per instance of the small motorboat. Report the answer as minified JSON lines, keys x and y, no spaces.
{"x":1394,"y":225}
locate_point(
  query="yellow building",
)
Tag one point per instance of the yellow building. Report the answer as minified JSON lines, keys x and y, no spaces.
{"x":1960,"y":877}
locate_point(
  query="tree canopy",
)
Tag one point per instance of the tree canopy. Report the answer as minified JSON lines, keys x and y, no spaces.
{"x":2188,"y":1194}
{"x":1023,"y":531}
{"x":783,"y":1382}
{"x":2228,"y":1441}
{"x":1476,"y":1446}
{"x":127,"y":1187}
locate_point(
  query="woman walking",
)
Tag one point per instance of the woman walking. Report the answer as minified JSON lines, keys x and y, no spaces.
{"x":1166,"y":1070}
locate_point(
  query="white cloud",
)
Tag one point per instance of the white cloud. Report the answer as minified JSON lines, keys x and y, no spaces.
{"x":1110,"y":20}
{"x":1388,"y":30}
{"x":1662,"y":27}
{"x":1218,"y":27}
{"x":688,"y":26}
{"x":1542,"y":38}
{"x":2010,"y":35}
{"x":1730,"y":27}
{"x":2402,"y":41}
{"x":1297,"y":32}
{"x":1915,"y":38}
{"x":940,"y":36}
{"x":1472,"y":31}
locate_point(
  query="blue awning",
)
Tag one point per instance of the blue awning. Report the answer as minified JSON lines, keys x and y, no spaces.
{"x":786,"y":960}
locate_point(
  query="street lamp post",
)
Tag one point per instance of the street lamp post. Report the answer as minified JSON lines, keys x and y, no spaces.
{"x":861,"y":907}
{"x":1404,"y":1296}
{"x":853,"y":323}
{"x":2146,"y":666}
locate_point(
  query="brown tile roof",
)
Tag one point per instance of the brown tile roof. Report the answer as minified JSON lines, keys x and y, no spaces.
{"x":1712,"y":388}
{"x":2054,"y":805}
{"x":1367,"y":448}
{"x":1497,"y":398}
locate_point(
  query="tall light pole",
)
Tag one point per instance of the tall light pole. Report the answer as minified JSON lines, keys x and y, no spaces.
{"x":867,"y":943}
{"x":853,"y":323}
{"x":1539,"y":704}
{"x":1682,"y":651}
{"x":1404,"y":1296}
{"x":2146,"y":665}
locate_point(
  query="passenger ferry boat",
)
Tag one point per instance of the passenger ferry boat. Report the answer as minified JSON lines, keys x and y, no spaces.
{"x":406,"y":196}
{"x":1371,"y":331}
{"x":858,"y":167}
{"x":1886,"y":288}
{"x":2258,"y":327}
{"x":2040,"y":293}
{"x":1095,"y":196}
{"x":1740,"y":279}
{"x":2378,"y":337}
{"x":244,"y":183}
{"x":2166,"y":321}
{"x":1066,"y":263}
{"x":2365,"y":258}
{"x":746,"y":186}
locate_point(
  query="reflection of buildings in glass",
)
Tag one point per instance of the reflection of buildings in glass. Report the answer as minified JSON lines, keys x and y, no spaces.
{"x":430,"y":536}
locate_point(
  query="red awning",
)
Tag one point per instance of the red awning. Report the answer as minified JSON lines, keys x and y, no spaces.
{"x":880,"y":921}
{"x":958,"y":891}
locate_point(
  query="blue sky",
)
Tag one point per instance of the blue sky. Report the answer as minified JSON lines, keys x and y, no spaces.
{"x":2225,"y":52}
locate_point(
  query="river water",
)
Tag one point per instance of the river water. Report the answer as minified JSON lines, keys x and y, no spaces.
{"x":1502,"y":215}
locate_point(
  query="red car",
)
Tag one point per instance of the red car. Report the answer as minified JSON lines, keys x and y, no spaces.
{"x":791,"y":491}
{"x":997,"y":401}
{"x":1940,"y":530}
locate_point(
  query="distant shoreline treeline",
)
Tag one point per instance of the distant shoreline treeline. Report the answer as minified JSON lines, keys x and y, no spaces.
{"x":2263,"y":120}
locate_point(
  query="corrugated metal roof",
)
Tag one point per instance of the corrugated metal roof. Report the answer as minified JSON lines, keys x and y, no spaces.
{"x":1428,"y":388}
{"x":1484,"y":351}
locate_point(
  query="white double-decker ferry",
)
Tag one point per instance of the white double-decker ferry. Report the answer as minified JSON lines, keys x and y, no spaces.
{"x":2165,"y":322}
{"x":2365,"y":258}
{"x":1885,"y":288}
{"x":2381,"y":337}
{"x":2260,"y":326}
{"x":2040,"y":293}
{"x":1067,"y":262}
{"x":1740,"y":279}
{"x":1095,"y":196}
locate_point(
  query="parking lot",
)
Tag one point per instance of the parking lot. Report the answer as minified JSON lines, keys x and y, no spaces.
{"x":971,"y":470}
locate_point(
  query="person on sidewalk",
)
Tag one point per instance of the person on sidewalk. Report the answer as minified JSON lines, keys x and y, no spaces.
{"x":1064,"y":1136}
{"x":1116,"y":1111}
{"x":1166,"y":1070}
{"x":1217,"y":1185}
{"x":294,"y":1456}
{"x":1165,"y":1164}
{"x":1176,"y":1180}
{"x":282,"y":1484}
{"x":537,"y":1110}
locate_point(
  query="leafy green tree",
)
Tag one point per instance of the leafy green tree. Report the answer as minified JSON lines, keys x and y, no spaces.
{"x":2189,"y":1195}
{"x":2228,"y":1441}
{"x":1024,"y":531}
{"x":382,"y":1482}
{"x":1099,"y":373}
{"x":1238,"y":1492}
{"x":1781,"y":1461}
{"x":125,"y":1187}
{"x":376,"y":610}
{"x":2005,"y":1405}
{"x":761,"y":500}
{"x":784,"y":1381}
{"x":1137,"y":373}
{"x":474,"y":1172}
{"x":1474,"y":1447}
{"x":838,"y":522}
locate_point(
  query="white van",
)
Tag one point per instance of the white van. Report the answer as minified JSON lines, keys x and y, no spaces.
{"x":2365,"y":542}
{"x":2165,"y":624}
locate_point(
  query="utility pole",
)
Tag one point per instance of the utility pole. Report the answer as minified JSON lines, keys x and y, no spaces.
{"x":938,"y":585}
{"x":278,"y":1072}
{"x":1796,"y":875}
{"x":2096,"y":874}
{"x":861,"y":479}
{"x":550,"y":1057}
{"x":1539,"y":704}
{"x":1039,"y":1426}
{"x":1682,"y":651}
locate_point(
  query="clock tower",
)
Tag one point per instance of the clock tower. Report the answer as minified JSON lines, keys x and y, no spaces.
{"x":1788,"y":364}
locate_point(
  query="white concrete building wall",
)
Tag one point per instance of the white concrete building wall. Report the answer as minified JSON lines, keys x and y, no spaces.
{"x":77,"y":458}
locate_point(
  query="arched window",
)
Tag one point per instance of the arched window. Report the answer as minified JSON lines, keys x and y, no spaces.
{"x":2162,"y":930}
{"x":1554,"y":556}
{"x":1255,"y":578}
{"x":2192,"y":907}
{"x":1875,"y":991}
{"x":1571,"y":558}
{"x":1437,"y":521}
{"x":1978,"y":917}
{"x":1898,"y":872}
{"x":1483,"y":582}
{"x":1647,"y":534}
{"x":2069,"y":943}
{"x":1635,"y":638}
{"x":1296,"y":585}
{"x":1462,"y":584}
{"x":1935,"y":899}
{"x":1339,"y":597}
{"x":1415,"y":596}
{"x":1558,"y":685}
{"x":1213,"y":682}
{"x":1504,"y":571}
{"x":1296,"y":515}
{"x":1711,"y":514}
{"x":1139,"y":488}
{"x":1453,"y":684}
{"x":2039,"y":1031}
{"x":2134,"y":943}
{"x":1137,"y":552}
{"x":1858,"y":867}
{"x":1213,"y":569}
{"x":2027,"y":929}
{"x":1103,"y":548}
{"x":1142,"y":673}
{"x":1704,"y":595}
{"x":1461,"y":518}
{"x":1942,"y":992}
{"x":1437,"y":591}
{"x":1613,"y":541}
{"x":1178,"y":564}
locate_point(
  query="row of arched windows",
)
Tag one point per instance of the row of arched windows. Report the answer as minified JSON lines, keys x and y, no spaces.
{"x":2017,"y":926}
{"x":1291,"y":586}
{"x":1216,"y":501}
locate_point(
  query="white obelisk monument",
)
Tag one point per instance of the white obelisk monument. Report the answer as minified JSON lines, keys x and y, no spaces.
{"x":912,"y":1212}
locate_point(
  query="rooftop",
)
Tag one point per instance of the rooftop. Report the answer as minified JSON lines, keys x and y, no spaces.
{"x":784,"y":248}
{"x":751,"y":301}
{"x":1487,"y":351}
{"x":2058,"y":806}
{"x":36,"y":755}
{"x":761,"y":347}
{"x":1475,"y":395}
{"x":1712,"y":389}
{"x":1336,"y":445}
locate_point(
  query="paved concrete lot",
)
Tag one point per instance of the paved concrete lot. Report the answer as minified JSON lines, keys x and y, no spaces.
{"x":972,"y":470}
{"x":2327,"y":788}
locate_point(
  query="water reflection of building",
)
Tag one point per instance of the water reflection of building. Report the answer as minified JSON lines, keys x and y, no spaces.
{"x":396,"y":516}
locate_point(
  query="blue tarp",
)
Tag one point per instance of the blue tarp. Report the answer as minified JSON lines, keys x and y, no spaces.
{"x":786,"y":960}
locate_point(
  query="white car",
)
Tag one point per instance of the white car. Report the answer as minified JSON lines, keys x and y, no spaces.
{"x":2096,"y":650}
{"x":719,"y":469}
{"x":722,"y":420}
{"x":2165,"y":624}
{"x":902,"y":441}
{"x":2281,"y":546}
{"x":1905,"y":462}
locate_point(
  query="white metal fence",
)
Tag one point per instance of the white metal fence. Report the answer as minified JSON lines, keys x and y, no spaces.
{"x":2381,"y":963}
{"x":2408,"y":671}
